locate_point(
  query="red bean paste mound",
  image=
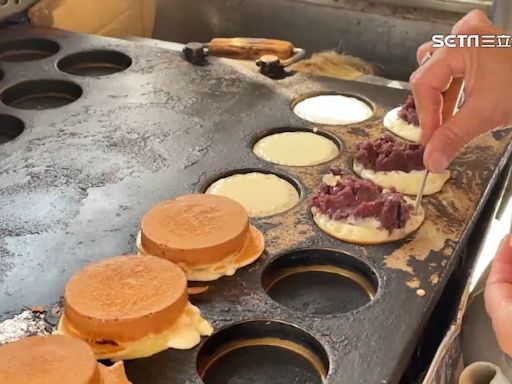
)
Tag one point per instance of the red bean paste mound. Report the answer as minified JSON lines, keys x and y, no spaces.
{"x":389,"y":154}
{"x":408,"y":112}
{"x":352,"y":197}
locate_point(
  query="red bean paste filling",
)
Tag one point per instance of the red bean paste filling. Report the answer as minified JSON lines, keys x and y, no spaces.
{"x":389,"y":154}
{"x":408,"y":112}
{"x":352,"y":197}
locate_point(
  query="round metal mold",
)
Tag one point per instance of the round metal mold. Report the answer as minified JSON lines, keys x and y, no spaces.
{"x":293,"y":181}
{"x":30,"y":49}
{"x":269,"y":132}
{"x":320,"y":281}
{"x":261,"y":351}
{"x":10,"y":128}
{"x":41,"y":94}
{"x":346,"y":94}
{"x":95,"y":63}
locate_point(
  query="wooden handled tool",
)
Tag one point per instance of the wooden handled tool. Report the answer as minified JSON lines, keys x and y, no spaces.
{"x":451,"y":98}
{"x":245,"y":48}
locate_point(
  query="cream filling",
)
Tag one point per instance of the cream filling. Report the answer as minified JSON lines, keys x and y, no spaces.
{"x":333,"y":110}
{"x":367,"y":230}
{"x":401,"y":127}
{"x":261,"y":194}
{"x":296,"y":149}
{"x":185,"y":333}
{"x":408,"y":183}
{"x":114,"y":374}
{"x":331,"y":179}
{"x":209,"y":272}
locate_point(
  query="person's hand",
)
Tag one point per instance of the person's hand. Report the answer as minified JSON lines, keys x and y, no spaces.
{"x":487,"y":74}
{"x":498,"y":295}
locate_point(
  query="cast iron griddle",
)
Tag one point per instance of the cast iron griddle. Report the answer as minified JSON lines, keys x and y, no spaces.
{"x":75,"y":184}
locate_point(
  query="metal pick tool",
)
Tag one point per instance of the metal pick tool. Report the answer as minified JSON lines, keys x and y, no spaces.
{"x":10,"y":8}
{"x":417,"y":204}
{"x":421,"y":191}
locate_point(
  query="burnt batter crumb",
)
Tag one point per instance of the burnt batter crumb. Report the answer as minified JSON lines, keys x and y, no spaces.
{"x":338,"y":171}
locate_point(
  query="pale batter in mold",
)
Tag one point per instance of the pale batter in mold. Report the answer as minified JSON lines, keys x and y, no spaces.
{"x":296,"y":148}
{"x":261,"y":194}
{"x":333,"y":110}
{"x":408,"y":183}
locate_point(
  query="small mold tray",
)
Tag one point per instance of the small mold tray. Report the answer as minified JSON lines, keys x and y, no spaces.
{"x":41,"y":94}
{"x":95,"y":63}
{"x":27,"y":49}
{"x":10,"y":128}
{"x":320,"y":281}
{"x":262,"y":352}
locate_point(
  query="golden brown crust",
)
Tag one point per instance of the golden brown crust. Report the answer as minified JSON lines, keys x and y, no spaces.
{"x":125,"y":298}
{"x":195,"y":229}
{"x":48,"y":360}
{"x":253,"y":249}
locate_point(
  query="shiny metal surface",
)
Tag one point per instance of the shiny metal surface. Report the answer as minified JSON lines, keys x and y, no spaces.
{"x":384,"y":33}
{"x":470,"y":337}
{"x":502,"y":13}
{"x":458,"y":6}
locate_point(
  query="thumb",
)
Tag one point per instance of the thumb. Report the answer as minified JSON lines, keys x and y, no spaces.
{"x":498,"y":295}
{"x":448,"y":139}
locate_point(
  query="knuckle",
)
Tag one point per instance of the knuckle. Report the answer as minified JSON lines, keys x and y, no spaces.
{"x":416,"y":79}
{"x":472,"y":23}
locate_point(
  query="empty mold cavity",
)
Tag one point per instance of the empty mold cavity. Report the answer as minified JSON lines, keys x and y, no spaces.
{"x":262,"y":193}
{"x":270,"y":352}
{"x":95,"y":63}
{"x":10,"y":128}
{"x":333,"y":109}
{"x":296,"y":147}
{"x":27,"y":49}
{"x":320,"y":281}
{"x":41,"y":94}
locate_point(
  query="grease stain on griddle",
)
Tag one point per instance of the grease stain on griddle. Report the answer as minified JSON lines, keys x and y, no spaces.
{"x":449,"y":211}
{"x":287,"y":230}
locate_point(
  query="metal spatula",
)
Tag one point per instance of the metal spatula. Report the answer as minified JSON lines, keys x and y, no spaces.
{"x":10,"y":8}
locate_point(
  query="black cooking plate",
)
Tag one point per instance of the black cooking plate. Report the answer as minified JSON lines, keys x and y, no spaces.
{"x":95,"y":131}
